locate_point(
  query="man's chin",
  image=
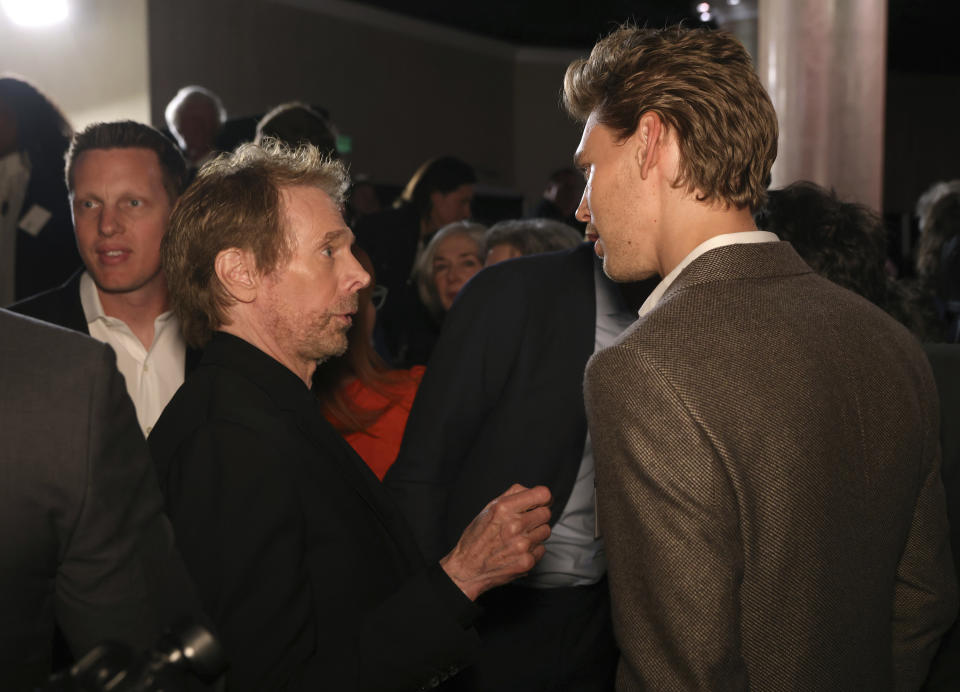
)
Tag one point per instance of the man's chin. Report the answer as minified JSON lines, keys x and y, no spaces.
{"x":623,"y":275}
{"x":330,"y":350}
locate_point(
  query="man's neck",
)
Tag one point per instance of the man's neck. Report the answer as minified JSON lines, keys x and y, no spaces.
{"x":697,"y":224}
{"x":262,"y":338}
{"x":137,"y":309}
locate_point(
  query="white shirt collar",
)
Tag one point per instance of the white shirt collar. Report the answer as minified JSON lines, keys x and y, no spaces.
{"x":93,"y":308}
{"x":710,"y":244}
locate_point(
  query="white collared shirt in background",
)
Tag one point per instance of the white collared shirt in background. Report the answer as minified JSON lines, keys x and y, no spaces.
{"x":710,"y":244}
{"x":152,"y":376}
{"x":574,"y":552}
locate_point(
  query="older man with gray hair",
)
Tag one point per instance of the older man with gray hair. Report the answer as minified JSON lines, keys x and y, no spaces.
{"x":301,"y":558}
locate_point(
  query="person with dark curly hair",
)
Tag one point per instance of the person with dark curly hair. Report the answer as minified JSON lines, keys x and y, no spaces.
{"x":938,"y":264}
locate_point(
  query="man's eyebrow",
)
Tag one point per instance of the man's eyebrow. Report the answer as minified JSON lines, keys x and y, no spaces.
{"x":333,"y":236}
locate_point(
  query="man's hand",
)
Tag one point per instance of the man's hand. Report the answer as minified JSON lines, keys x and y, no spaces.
{"x":502,"y":543}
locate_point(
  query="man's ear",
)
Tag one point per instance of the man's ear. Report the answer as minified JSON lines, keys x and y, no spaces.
{"x":650,"y":134}
{"x":237,"y":272}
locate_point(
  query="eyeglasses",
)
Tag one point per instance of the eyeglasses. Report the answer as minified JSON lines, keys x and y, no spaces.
{"x":379,"y":296}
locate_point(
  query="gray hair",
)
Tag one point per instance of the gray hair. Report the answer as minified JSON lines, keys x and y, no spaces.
{"x":532,"y":236}
{"x":423,"y":270}
{"x":930,"y":197}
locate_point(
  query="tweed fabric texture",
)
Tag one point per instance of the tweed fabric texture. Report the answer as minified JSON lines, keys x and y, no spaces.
{"x":768,"y":485}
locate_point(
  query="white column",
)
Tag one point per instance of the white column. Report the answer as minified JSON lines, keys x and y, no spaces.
{"x":824,"y":65}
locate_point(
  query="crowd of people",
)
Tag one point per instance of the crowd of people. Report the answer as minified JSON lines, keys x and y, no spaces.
{"x":675,"y":430}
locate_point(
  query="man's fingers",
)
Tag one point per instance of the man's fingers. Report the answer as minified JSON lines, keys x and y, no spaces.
{"x":534,"y":518}
{"x":524,"y":499}
{"x":539,"y":534}
{"x":514,"y":489}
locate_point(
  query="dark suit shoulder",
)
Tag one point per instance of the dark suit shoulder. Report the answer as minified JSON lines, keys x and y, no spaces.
{"x":60,"y":306}
{"x":553,"y":273}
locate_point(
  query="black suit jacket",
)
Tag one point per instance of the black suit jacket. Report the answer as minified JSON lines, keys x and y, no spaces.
{"x":501,"y":401}
{"x":302,"y":560}
{"x":47,"y":258}
{"x":83,"y":538}
{"x":61,"y":306}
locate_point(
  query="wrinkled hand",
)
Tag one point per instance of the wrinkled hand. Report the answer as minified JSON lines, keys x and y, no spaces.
{"x":502,"y":543}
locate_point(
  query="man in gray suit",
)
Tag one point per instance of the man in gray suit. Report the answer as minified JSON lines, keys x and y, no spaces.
{"x":766,"y":442}
{"x":84,"y":542}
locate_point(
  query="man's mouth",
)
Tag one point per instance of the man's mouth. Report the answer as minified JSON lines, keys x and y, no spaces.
{"x":590,"y":235}
{"x":112,"y":256}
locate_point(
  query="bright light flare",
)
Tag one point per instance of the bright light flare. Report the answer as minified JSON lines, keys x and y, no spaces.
{"x":705,"y":16}
{"x":703,"y":7}
{"x":35,"y":13}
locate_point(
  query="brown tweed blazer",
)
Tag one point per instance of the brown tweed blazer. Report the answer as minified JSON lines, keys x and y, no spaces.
{"x":769,"y":485}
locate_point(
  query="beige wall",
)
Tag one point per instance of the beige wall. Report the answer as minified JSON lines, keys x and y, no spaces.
{"x":545,"y":136}
{"x":824,"y":64}
{"x":93,"y":65}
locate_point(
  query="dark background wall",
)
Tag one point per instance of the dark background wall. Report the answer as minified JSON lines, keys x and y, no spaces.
{"x":403,"y":93}
{"x":406,"y":90}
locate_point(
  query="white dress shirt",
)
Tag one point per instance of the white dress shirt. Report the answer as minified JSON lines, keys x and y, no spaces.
{"x":574,"y":552}
{"x":710,"y":244}
{"x":152,"y":376}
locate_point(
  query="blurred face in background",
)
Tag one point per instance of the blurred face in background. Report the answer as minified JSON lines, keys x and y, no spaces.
{"x":197,"y":124}
{"x":456,"y":260}
{"x":448,"y":207}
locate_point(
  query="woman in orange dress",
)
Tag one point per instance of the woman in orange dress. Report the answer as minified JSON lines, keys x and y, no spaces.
{"x":364,"y":400}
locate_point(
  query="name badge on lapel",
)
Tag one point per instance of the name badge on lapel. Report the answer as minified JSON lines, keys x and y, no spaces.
{"x":34,"y":220}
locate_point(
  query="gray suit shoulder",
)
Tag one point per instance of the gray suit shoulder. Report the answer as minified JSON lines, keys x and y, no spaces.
{"x":24,"y":333}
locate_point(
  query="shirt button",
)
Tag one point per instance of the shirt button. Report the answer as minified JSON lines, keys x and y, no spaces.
{"x":149,"y":429}
{"x":146,"y":368}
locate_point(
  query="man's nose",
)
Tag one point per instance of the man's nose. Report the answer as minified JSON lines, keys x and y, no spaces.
{"x":357,"y":276}
{"x":583,"y":211}
{"x":108,"y":223}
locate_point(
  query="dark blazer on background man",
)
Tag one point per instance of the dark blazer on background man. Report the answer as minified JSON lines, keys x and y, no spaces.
{"x":61,"y":306}
{"x":84,"y":542}
{"x":47,"y":257}
{"x":302,"y":560}
{"x":501,"y":401}
{"x":771,"y":505}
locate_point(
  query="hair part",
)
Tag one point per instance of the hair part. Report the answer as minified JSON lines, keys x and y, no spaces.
{"x":235,"y":202}
{"x":127,"y":134}
{"x":703,"y":86}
